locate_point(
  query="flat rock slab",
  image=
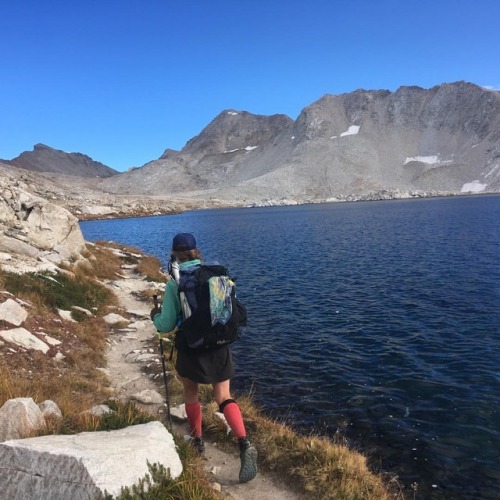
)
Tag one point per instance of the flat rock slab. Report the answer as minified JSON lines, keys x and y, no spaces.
{"x":23,"y":338}
{"x":85,"y":465}
{"x":12,"y":312}
{"x":113,"y":319}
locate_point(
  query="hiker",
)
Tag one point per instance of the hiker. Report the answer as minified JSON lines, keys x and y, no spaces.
{"x":201,"y":366}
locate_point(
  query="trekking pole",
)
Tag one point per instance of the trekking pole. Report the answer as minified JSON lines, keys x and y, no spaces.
{"x":167,"y":392}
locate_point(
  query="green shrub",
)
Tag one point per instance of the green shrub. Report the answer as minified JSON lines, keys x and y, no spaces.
{"x":58,"y":291}
{"x":158,"y":485}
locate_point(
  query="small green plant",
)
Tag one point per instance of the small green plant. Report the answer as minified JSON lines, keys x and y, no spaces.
{"x":122,"y":415}
{"x":58,"y":291}
{"x":158,"y":485}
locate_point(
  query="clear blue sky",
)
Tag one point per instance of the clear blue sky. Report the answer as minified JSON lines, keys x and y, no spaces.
{"x":122,"y":80}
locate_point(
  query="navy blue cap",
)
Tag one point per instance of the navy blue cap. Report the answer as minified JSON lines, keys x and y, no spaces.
{"x":183,"y":241}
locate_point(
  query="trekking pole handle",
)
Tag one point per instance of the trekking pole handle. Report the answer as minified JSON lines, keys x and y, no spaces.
{"x":155,"y":300}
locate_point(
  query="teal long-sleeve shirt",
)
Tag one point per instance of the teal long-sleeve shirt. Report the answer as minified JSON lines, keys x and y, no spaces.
{"x":171,"y":306}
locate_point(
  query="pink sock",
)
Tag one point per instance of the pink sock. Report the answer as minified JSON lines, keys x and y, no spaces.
{"x":193,"y":412}
{"x":235,"y":420}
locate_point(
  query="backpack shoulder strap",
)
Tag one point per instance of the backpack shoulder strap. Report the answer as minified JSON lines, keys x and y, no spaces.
{"x":186,"y":275}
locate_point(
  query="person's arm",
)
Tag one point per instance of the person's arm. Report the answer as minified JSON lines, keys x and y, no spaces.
{"x":166,"y":320}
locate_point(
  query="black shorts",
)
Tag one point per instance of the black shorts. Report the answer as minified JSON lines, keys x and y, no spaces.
{"x":205,"y":367}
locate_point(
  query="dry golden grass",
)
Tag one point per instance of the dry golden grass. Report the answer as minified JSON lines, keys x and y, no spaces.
{"x":36,"y":302}
{"x":106,"y":265}
{"x":75,"y":383}
{"x":150,"y":267}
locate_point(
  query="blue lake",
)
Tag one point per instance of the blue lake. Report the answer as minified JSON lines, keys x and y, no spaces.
{"x":375,"y":321}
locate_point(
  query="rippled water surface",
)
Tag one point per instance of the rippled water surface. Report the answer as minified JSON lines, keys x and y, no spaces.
{"x":379,"y":321}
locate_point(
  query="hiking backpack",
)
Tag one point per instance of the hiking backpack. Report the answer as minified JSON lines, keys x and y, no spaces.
{"x":212,"y":315}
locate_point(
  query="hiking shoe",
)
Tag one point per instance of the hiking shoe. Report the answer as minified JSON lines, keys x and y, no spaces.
{"x":199,"y":445}
{"x":248,"y":457}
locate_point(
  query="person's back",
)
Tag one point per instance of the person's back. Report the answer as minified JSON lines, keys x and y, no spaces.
{"x":208,"y":365}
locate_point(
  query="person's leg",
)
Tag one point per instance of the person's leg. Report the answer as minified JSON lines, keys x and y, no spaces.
{"x":229,"y":408}
{"x":193,"y":407}
{"x":231,"y":411}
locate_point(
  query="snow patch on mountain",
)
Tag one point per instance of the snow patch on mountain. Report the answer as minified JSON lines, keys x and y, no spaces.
{"x":352,"y":130}
{"x":473,"y":187}
{"x":247,"y":148}
{"x":430,"y":160}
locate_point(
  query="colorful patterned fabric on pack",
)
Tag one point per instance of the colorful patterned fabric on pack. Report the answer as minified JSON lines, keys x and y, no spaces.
{"x":221,"y":308}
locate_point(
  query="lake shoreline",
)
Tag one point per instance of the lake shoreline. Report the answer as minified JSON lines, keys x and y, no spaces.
{"x":156,"y":213}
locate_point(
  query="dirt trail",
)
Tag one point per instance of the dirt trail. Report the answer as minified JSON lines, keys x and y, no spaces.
{"x":130,"y":351}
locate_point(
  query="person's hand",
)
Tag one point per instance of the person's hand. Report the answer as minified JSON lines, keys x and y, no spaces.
{"x":156,"y":310}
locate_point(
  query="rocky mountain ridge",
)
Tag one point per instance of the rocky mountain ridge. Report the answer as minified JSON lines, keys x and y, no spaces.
{"x":46,"y":159}
{"x":364,"y":144}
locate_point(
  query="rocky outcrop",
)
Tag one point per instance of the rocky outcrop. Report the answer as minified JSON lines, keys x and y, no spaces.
{"x":84,"y":465}
{"x":46,"y":159}
{"x":35,"y":228}
{"x":19,"y":417}
{"x":24,"y":339}
{"x":12,"y":312}
{"x":84,"y":199}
